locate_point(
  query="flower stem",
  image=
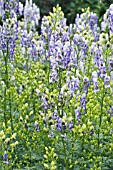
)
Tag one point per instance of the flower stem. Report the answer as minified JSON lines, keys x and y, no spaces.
{"x":100,"y":120}
{"x":6,"y":83}
{"x":10,"y":106}
{"x":66,"y":162}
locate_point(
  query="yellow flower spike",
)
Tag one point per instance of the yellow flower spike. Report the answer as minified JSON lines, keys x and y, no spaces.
{"x":110,"y":149}
{"x":45,"y":129}
{"x":74,"y":130}
{"x":49,"y":113}
{"x":91,"y":127}
{"x":89,"y":123}
{"x":46,"y":166}
{"x":76,"y":162}
{"x":70,"y":118}
{"x":78,"y":32}
{"x":77,"y":105}
{"x":54,"y":155}
{"x":83,"y":126}
{"x":53,"y":168}
{"x":3,"y":137}
{"x":46,"y":148}
{"x":54,"y":91}
{"x":1,"y":133}
{"x":13,"y":136}
{"x":70,"y":161}
{"x":51,"y":14}
{"x":57,"y":6}
{"x":71,"y":101}
{"x":12,"y":145}
{"x":111,"y":145}
{"x":49,"y":147}
{"x":59,"y":104}
{"x":66,"y":28}
{"x":99,"y":168}
{"x":31,"y":113}
{"x":9,"y":129}
{"x":52,"y":149}
{"x":45,"y":156}
{"x":45,"y":35}
{"x":84,"y":165}
{"x":82,"y":10}
{"x":3,"y":125}
{"x":52,"y":163}
{"x":16,"y":143}
{"x":26,"y":105}
{"x":57,"y":24}
{"x":54,"y":9}
{"x":107,"y":122}
{"x":8,"y":122}
{"x":57,"y":27}
{"x":64,"y":119}
{"x":27,"y":117}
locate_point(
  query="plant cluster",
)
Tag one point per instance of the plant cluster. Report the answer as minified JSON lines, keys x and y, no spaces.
{"x":56,"y":90}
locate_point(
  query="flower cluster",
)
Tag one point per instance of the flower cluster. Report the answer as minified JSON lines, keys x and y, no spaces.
{"x":56,"y":89}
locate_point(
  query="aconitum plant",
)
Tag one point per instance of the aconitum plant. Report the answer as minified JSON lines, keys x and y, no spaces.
{"x":56,"y":89}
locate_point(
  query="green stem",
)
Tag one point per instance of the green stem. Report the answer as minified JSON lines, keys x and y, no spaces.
{"x":59,"y":88}
{"x":48,"y":74}
{"x":27,"y":60}
{"x":60,"y":77}
{"x":6,"y":70}
{"x":73,"y":145}
{"x":6,"y":83}
{"x":30,"y":155}
{"x":33,"y":102}
{"x":66,"y":162}
{"x":77,"y":53}
{"x":10,"y":106}
{"x":89,"y":65}
{"x":100,"y":121}
{"x":73,"y":134}
{"x":5,"y":103}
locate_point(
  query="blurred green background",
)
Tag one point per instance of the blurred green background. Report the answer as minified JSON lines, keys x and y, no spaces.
{"x":72,"y":7}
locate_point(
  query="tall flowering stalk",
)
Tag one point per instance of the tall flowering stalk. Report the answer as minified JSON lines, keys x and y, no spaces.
{"x":31,"y":16}
{"x":8,"y":39}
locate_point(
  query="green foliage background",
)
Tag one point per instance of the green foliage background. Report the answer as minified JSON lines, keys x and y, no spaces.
{"x":72,"y":7}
